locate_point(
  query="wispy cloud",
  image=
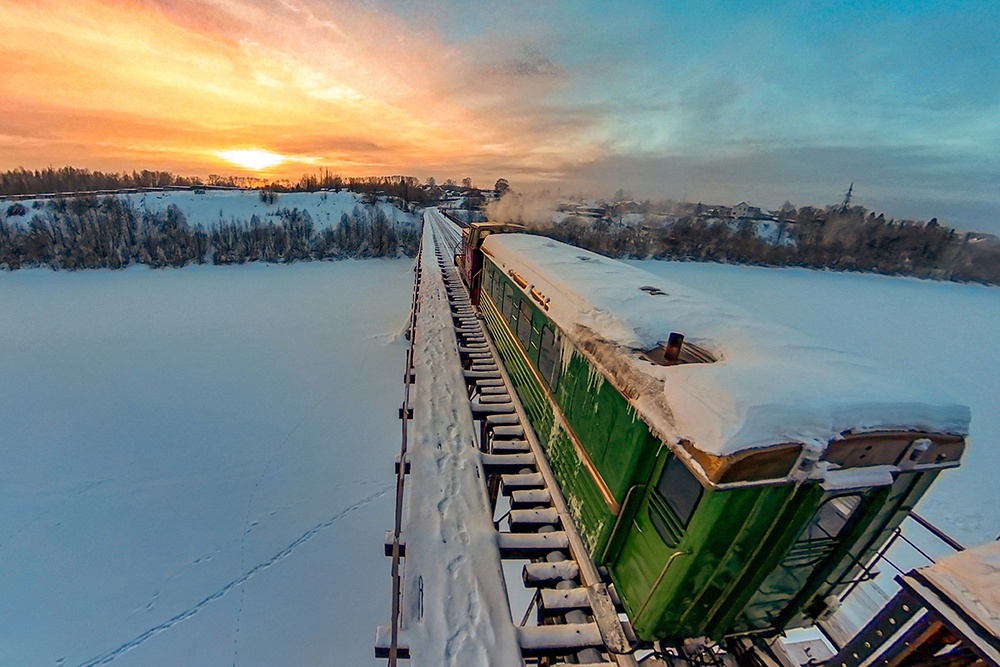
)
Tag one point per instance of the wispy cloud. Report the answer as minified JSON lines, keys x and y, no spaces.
{"x":531,"y":63}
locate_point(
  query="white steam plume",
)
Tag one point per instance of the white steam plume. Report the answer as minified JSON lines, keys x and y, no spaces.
{"x":534,"y":210}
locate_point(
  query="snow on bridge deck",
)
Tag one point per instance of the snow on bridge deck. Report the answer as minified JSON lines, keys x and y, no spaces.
{"x":454,"y":607}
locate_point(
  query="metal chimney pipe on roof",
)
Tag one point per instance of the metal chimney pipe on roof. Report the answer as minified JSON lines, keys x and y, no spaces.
{"x":672,"y":353}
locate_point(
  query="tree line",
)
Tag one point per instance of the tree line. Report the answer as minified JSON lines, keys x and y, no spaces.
{"x":843,"y":239}
{"x":110,"y":232}
{"x":405,"y":190}
{"x":400,"y":188}
{"x":70,"y":179}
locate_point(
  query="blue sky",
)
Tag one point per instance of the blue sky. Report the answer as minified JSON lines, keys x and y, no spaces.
{"x":789,"y":100}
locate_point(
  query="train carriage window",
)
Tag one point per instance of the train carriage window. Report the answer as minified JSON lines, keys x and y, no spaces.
{"x":549,"y":364}
{"x":508,"y":300}
{"x":833,"y":516}
{"x":524,"y":324}
{"x":680,"y":489}
{"x":497,"y":290}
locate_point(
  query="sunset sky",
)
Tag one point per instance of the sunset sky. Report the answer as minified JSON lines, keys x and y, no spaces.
{"x":712,"y":101}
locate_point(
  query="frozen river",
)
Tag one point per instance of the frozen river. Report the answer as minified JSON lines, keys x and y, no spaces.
{"x":197,"y":463}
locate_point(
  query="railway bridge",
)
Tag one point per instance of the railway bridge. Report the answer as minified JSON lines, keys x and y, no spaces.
{"x":481,"y":530}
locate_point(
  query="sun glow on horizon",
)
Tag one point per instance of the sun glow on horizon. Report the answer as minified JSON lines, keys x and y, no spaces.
{"x":255,"y":158}
{"x":92,"y":97}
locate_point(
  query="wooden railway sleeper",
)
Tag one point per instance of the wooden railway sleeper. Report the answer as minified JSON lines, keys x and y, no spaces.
{"x":495,"y":398}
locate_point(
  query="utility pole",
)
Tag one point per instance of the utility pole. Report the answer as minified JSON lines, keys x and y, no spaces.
{"x":846,"y":204}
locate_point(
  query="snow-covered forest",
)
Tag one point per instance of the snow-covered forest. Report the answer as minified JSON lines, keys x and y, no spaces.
{"x":842,"y":239}
{"x":179,"y":228}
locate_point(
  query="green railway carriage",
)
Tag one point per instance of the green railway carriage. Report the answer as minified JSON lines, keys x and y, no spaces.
{"x":703,"y":537}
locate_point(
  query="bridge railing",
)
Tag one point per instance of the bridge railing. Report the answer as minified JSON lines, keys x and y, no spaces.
{"x":917,"y":542}
{"x":405,"y":415}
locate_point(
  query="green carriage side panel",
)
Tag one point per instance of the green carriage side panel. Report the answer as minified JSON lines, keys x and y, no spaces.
{"x":745,"y":593}
{"x":593,"y":518}
{"x":532,"y":395}
{"x":883,"y":511}
{"x":616,"y":440}
{"x":587,"y":405}
{"x":731,"y":541}
{"x":779,"y":515}
{"x":628,"y":460}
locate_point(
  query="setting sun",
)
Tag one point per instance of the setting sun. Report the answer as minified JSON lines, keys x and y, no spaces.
{"x":252,"y":159}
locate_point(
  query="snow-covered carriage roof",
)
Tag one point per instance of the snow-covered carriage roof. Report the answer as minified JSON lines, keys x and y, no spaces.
{"x":768,"y":385}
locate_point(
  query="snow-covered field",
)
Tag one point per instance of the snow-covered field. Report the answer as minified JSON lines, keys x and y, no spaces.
{"x":197,"y":463}
{"x":325,"y":208}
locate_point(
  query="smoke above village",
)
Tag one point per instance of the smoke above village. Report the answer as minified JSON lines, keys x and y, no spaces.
{"x":532,"y":209}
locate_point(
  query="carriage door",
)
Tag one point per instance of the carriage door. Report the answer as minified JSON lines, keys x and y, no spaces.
{"x":814,"y":546}
{"x":656,"y":532}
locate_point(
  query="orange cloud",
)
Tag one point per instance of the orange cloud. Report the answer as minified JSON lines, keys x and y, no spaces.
{"x":119,"y":84}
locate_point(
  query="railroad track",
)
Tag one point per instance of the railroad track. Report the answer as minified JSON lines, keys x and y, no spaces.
{"x":577,"y":615}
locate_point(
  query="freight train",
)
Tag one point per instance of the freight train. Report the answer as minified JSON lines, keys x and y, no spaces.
{"x":732,"y":476}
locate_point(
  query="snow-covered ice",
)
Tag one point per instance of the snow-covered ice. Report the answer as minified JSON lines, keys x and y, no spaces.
{"x":197,"y":463}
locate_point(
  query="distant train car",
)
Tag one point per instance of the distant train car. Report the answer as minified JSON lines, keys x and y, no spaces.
{"x":470,"y":259}
{"x":731,"y":475}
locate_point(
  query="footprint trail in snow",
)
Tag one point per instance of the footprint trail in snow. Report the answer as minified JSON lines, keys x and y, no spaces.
{"x":108,"y":657}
